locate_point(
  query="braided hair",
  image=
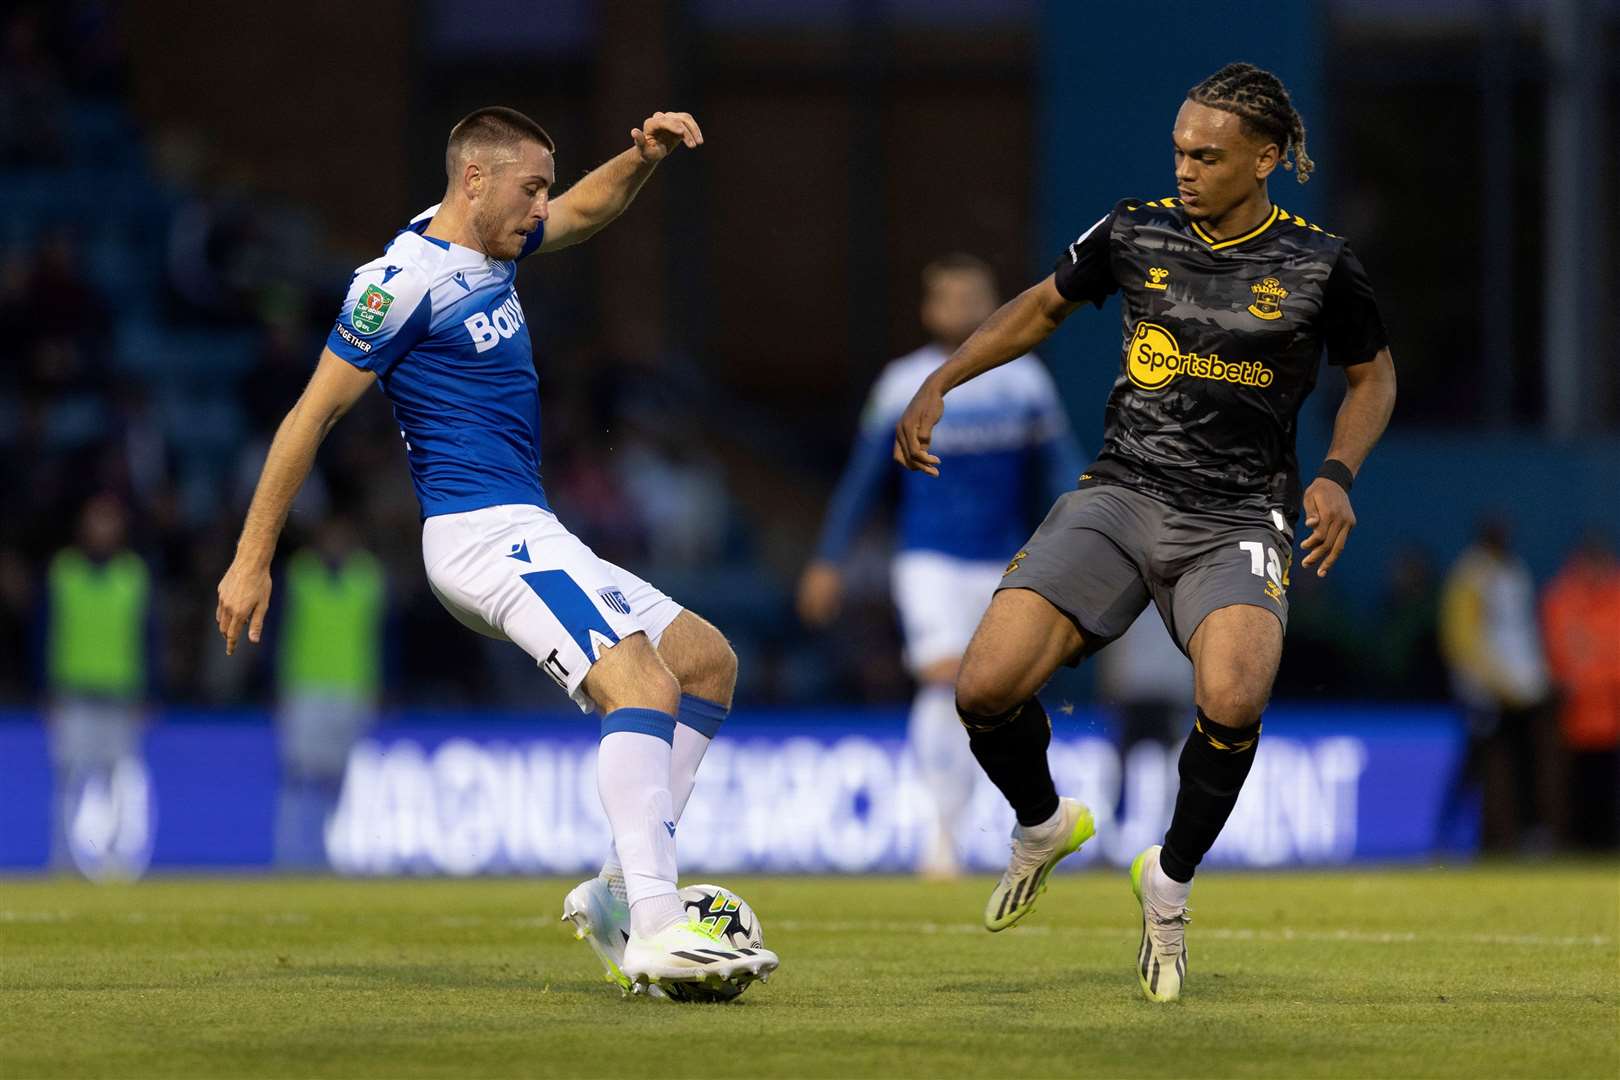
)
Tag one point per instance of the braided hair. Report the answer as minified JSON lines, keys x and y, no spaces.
{"x":1261,"y":100}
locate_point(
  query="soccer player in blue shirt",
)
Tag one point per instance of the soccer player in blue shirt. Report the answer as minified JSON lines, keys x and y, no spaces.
{"x":1010,"y":449}
{"x":437,"y":323}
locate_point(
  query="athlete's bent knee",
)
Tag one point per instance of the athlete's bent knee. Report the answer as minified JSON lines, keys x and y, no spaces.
{"x":1231,"y":704}
{"x":979,"y":696}
{"x":723,"y":660}
{"x":700,"y":656}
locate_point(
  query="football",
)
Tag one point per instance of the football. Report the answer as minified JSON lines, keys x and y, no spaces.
{"x":732,"y":921}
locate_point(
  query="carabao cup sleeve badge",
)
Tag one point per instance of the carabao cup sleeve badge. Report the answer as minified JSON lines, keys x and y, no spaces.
{"x":370,"y":310}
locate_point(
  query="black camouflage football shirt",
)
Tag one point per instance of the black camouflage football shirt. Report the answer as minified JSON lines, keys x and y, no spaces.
{"x":1222,"y":343}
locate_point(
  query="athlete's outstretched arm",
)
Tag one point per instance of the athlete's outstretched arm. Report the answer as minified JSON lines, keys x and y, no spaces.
{"x":607,"y":190}
{"x":1017,"y":327}
{"x":1369,"y":399}
{"x":821,"y":586}
{"x":244,"y":591}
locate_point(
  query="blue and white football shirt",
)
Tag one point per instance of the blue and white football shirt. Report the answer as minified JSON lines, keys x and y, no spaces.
{"x":441,"y":326}
{"x":1004,"y":445}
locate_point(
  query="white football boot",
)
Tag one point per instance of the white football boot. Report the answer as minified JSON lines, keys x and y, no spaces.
{"x":1032,"y":861}
{"x":689,"y":952}
{"x":1161,"y":959}
{"x":602,"y":921}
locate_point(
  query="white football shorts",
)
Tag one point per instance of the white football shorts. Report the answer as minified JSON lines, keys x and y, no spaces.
{"x":515,"y":574}
{"x":941,"y":600}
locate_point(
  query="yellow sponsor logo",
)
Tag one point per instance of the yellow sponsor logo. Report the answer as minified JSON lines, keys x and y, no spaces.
{"x":1268,"y":297}
{"x":1156,"y":276}
{"x":1154,"y":358}
{"x":1018,"y":558}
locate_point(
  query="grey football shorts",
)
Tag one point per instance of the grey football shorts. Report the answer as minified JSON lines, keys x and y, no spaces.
{"x":1105,"y":551}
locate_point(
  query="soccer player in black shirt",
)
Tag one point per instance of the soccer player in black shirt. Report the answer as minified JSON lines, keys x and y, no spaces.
{"x":1228,"y":303}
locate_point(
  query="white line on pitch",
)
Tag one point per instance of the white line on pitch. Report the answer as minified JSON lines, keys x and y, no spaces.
{"x":1364,"y":937}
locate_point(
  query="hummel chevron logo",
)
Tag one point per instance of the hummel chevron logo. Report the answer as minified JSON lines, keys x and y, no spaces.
{"x":461,"y":279}
{"x":520,"y":552}
{"x":670,"y":825}
{"x":390,"y":271}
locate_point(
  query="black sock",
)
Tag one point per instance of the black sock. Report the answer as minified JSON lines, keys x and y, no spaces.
{"x":1213,"y":765}
{"x":1011,"y":749}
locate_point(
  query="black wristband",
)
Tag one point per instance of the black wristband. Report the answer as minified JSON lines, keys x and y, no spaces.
{"x":1337,"y":471}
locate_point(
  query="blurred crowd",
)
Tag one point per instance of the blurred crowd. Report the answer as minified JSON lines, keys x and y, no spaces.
{"x":159,"y":317}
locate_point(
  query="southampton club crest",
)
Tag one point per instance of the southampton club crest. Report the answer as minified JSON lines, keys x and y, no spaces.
{"x":1268,"y":297}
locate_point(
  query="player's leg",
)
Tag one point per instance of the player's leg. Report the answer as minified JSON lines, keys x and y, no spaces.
{"x":940,"y":601}
{"x":1071,"y":590}
{"x":638,"y":696}
{"x":706,"y":668}
{"x":565,"y":608}
{"x":944,"y":762}
{"x":1073,"y":573}
{"x":1232,"y":601}
{"x":1019,"y":644}
{"x":1235,"y":654}
{"x":704,"y":665}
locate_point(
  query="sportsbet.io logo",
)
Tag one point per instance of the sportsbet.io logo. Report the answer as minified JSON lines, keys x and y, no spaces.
{"x":1154,"y":358}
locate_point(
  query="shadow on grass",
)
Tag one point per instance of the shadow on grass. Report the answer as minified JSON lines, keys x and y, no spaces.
{"x":438,"y":976}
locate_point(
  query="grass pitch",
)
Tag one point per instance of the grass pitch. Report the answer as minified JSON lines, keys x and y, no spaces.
{"x":1493,"y":971}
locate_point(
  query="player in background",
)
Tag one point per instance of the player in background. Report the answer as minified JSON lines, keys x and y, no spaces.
{"x":437,"y":323}
{"x":1008,"y":450}
{"x":1229,"y":302}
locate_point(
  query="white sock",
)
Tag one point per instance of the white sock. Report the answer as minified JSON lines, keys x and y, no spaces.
{"x":651,"y":914}
{"x":695,"y":727}
{"x":944,"y":758}
{"x":1165,"y":891}
{"x":632,"y":778}
{"x":1045,"y":829}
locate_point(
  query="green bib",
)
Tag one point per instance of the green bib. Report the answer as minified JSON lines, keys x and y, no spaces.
{"x":331,"y":639}
{"x":97,"y":630}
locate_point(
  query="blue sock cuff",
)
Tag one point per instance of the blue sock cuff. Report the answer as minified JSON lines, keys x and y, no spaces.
{"x":642,"y":721}
{"x":702,"y":715}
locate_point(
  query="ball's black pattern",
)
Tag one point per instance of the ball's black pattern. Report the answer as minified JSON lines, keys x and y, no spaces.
{"x":737,"y":927}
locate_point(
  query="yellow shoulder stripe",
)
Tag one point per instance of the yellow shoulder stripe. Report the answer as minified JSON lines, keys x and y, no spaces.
{"x":1301,"y":223}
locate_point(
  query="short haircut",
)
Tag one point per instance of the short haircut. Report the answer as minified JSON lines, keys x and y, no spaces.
{"x":492,"y":127}
{"x":958,"y":262}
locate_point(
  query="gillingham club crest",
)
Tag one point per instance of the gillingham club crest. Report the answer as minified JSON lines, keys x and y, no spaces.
{"x":371,"y":309}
